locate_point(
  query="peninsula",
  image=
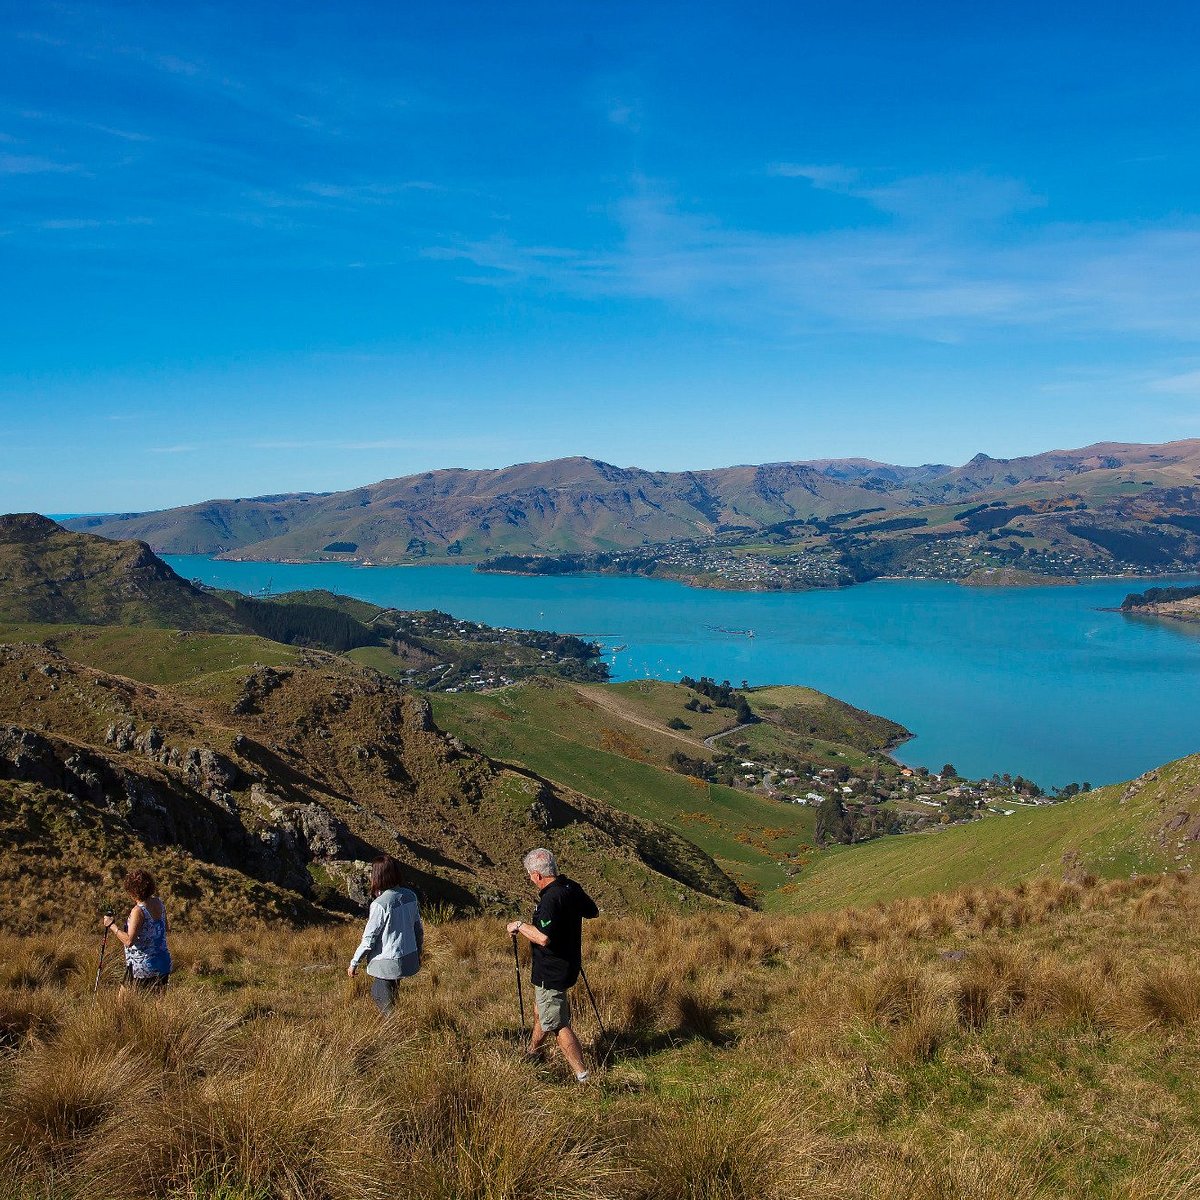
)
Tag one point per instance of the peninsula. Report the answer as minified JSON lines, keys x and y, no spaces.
{"x":1106,"y":509}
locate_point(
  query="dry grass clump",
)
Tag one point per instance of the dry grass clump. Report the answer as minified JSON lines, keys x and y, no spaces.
{"x":753,"y":1148}
{"x":26,"y":1013}
{"x":960,"y":1171}
{"x":38,"y":962}
{"x":1171,"y":1173}
{"x":1169,"y":993}
{"x":890,"y":994}
{"x":476,"y":1128}
{"x":291,"y":1122}
{"x":54,"y":1111}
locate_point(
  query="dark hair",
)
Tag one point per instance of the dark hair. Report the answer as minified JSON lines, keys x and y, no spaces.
{"x":140,"y":884}
{"x":386,"y":873}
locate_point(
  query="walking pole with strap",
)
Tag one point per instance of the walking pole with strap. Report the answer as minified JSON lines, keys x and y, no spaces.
{"x":520,"y":992}
{"x":100,"y":964}
{"x":595,"y":1007}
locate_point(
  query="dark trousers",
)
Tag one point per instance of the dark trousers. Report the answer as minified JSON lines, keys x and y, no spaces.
{"x":383,"y":992}
{"x":146,"y":983}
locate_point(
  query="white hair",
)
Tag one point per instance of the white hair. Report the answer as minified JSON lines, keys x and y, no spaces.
{"x":540,"y":860}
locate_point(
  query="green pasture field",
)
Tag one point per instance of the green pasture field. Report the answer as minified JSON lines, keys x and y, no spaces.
{"x":545,"y":728}
{"x":1114,"y":832}
{"x":152,"y":655}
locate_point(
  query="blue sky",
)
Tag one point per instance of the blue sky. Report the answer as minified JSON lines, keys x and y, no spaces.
{"x":248,"y":250}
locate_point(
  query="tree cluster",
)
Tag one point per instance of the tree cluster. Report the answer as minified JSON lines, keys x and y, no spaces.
{"x":723,"y":695}
{"x":303,"y":625}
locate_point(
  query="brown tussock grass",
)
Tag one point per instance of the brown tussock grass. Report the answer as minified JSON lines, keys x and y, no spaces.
{"x":1034,"y":1042}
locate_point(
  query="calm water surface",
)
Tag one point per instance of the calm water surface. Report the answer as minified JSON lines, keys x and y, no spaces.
{"x":1033,"y":681}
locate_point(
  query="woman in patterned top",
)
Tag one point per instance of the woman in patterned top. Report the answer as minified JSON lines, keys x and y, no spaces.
{"x":147,"y":959}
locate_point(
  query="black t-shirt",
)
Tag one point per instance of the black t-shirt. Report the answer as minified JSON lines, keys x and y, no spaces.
{"x":560,"y":913}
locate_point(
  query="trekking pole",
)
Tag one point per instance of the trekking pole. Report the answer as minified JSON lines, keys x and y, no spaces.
{"x":595,"y":1007}
{"x":520,"y":992}
{"x":103,"y":947}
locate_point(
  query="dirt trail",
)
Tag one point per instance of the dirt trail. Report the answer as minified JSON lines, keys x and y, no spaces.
{"x":609,"y":704}
{"x":711,"y":740}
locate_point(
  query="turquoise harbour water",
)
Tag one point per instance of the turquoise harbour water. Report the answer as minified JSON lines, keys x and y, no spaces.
{"x":1033,"y":681}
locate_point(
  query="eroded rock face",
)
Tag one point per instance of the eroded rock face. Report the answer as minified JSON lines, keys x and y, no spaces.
{"x":352,"y":876}
{"x":30,"y":757}
{"x":260,"y":683}
{"x":1181,"y":828}
{"x":212,"y":771}
{"x":417,"y":714}
{"x":309,"y":827}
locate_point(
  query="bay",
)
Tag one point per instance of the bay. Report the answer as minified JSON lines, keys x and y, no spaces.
{"x":1030,"y":681}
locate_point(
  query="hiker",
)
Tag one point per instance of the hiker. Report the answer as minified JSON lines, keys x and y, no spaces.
{"x":144,"y":936}
{"x":556,"y":935}
{"x":394,"y":937}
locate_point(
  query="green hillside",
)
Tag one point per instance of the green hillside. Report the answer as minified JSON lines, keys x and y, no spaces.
{"x":48,"y":574}
{"x":1143,"y":827}
{"x":613,"y":742}
{"x":150,"y":655}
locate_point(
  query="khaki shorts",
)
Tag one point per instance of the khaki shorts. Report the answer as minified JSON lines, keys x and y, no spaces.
{"x":553,"y":1008}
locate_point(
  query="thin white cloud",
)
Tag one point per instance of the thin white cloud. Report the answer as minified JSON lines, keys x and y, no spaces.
{"x":75,"y":223}
{"x":821,"y":175}
{"x":125,"y":135}
{"x":928,"y":274}
{"x":954,"y":198}
{"x":33,"y":164}
{"x":182,"y":448}
{"x":1186,"y":384}
{"x":943,"y":198}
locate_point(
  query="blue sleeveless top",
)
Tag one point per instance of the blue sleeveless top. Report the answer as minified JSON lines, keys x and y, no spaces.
{"x":148,"y":955}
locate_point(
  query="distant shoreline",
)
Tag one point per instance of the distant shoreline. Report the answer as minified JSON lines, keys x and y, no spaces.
{"x":1029,"y":580}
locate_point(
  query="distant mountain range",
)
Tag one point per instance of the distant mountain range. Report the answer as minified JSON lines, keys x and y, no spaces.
{"x":580,"y":506}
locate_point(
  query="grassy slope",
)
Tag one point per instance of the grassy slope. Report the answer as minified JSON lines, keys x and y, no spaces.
{"x":807,"y":711}
{"x":1033,"y":1046}
{"x":563,"y":732}
{"x":1113,"y":832}
{"x":48,"y":573}
{"x":157,"y":656}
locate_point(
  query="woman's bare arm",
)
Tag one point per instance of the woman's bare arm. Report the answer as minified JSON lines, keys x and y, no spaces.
{"x":126,"y":936}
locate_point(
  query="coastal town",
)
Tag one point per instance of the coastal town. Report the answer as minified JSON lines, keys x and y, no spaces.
{"x":889,"y":797}
{"x":816,"y":557}
{"x":436,"y":652}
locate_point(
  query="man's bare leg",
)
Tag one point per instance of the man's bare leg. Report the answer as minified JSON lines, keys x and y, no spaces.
{"x":538,"y":1036}
{"x":568,"y":1043}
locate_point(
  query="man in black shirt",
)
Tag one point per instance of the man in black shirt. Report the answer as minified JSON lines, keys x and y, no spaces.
{"x":556,"y":936}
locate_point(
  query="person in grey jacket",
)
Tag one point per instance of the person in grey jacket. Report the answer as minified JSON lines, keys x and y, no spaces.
{"x":394,"y":937}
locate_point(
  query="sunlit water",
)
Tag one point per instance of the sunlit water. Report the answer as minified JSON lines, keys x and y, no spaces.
{"x":1033,"y":681}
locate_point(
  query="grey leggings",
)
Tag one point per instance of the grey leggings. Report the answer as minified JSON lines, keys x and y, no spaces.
{"x":383,"y":992}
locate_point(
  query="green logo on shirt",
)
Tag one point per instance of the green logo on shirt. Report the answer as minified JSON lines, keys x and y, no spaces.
{"x":546,"y":923}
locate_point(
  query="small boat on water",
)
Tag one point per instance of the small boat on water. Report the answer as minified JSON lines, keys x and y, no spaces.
{"x":731,"y":632}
